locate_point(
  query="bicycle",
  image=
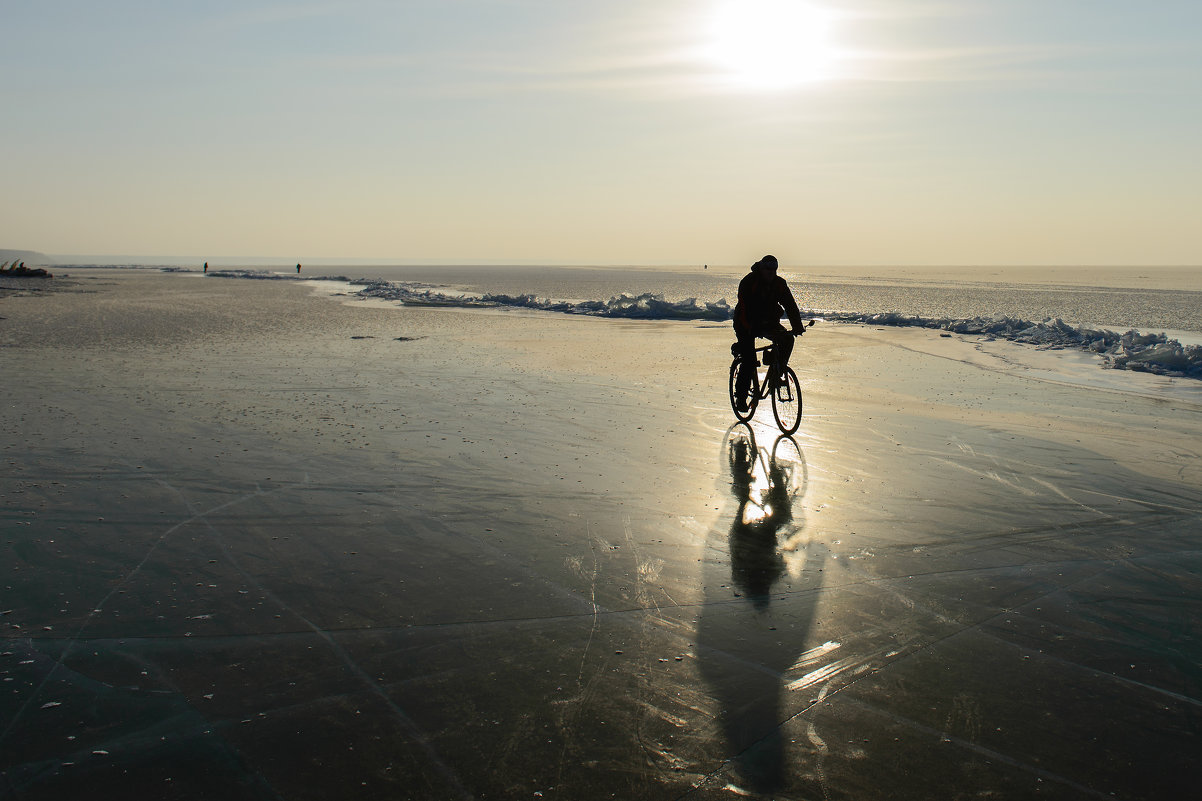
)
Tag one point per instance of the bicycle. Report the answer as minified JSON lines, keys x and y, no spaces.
{"x":783,"y":387}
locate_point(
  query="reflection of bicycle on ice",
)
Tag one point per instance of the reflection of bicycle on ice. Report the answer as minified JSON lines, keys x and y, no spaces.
{"x":765,"y":536}
{"x":783,"y":469}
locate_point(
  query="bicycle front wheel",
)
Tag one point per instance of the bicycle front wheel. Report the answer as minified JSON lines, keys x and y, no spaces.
{"x":786,"y":401}
{"x":752,"y":396}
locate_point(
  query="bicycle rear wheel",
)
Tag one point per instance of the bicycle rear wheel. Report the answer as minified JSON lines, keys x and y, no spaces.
{"x":753,"y":390}
{"x":789,"y":460}
{"x":786,"y":402}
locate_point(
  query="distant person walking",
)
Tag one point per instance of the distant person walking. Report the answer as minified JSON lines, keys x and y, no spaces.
{"x":764,"y":298}
{"x":298,"y":269}
{"x":206,"y":266}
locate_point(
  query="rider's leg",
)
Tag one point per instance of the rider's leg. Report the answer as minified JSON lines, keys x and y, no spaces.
{"x":746,"y":349}
{"x":782,"y":342}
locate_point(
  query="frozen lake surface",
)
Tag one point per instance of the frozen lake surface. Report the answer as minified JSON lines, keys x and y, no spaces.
{"x":264,"y":545}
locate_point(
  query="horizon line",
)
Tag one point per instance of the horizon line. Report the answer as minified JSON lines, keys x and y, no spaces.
{"x":151,"y":260}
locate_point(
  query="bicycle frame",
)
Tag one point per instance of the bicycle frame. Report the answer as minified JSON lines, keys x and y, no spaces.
{"x":769,"y":380}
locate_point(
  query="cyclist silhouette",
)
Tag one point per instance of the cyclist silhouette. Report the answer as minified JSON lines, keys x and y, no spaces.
{"x":764,"y":298}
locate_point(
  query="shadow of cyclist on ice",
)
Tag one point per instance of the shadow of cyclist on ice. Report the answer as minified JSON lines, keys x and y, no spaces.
{"x":748,"y":637}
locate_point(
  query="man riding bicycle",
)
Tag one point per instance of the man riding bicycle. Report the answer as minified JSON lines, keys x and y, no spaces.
{"x":763,"y":298}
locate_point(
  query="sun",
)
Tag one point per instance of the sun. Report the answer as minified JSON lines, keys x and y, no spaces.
{"x":772,"y":44}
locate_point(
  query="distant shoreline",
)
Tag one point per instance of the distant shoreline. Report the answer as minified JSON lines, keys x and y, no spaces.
{"x":1182,"y":278}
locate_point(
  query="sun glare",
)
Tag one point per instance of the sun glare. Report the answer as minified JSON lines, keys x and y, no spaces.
{"x":773,"y":44}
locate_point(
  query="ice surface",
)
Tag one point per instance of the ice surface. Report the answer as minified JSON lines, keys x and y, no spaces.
{"x":257,"y":548}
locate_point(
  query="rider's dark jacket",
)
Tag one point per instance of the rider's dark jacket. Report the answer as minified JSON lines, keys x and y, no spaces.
{"x":762,"y":300}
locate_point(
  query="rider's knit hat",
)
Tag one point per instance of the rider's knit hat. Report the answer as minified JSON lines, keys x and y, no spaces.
{"x":768,"y":262}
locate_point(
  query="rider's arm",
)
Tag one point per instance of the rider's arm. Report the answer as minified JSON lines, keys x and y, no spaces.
{"x":791,"y":310}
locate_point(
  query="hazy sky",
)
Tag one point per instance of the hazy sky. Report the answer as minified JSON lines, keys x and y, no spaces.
{"x":606,"y":131}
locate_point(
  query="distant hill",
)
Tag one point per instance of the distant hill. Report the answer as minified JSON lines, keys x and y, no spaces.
{"x":31,"y":257}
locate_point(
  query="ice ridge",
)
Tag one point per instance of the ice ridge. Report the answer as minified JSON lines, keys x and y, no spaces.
{"x":1150,"y":353}
{"x":647,"y":306}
